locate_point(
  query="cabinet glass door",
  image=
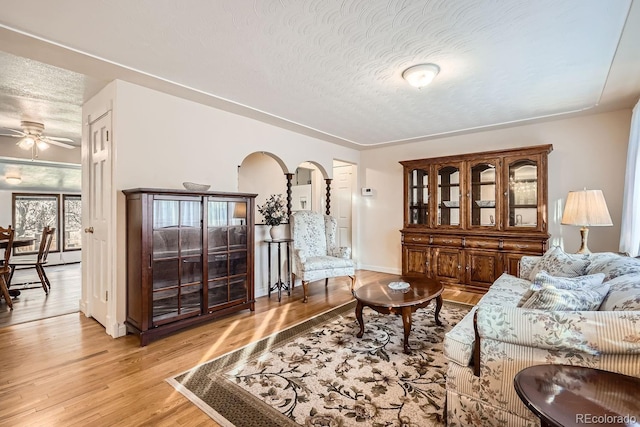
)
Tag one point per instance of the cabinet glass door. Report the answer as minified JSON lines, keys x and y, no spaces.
{"x":227,"y":252}
{"x":483,"y":195}
{"x":418,"y":197}
{"x":523,"y":193}
{"x":177,"y":259}
{"x":449,"y":196}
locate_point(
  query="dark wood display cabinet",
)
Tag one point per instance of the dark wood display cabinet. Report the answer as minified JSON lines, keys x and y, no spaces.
{"x":190,"y":258}
{"x":469,"y":218}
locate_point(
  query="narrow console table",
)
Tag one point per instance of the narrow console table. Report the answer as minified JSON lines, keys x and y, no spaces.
{"x":279,"y":285}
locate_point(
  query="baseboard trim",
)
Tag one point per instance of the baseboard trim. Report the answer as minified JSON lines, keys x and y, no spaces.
{"x":380,"y":269}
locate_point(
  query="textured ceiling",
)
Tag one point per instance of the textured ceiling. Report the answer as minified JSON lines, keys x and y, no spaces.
{"x":334,"y":67}
{"x":40,"y":176}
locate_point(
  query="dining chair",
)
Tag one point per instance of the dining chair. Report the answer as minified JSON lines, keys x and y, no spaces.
{"x":6,"y":236}
{"x":39,"y":261}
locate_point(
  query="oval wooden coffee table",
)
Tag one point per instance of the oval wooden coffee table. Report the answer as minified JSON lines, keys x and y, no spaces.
{"x":381,"y":298}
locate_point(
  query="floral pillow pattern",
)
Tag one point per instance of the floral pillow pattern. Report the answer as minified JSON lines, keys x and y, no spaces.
{"x":613,"y":265}
{"x":624,"y":294}
{"x":543,"y":279}
{"x":560,"y":264}
{"x":553,"y":298}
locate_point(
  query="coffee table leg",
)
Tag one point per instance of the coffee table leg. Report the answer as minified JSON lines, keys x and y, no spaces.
{"x":359,"y":308}
{"x":438,"y":307}
{"x":406,"y":322}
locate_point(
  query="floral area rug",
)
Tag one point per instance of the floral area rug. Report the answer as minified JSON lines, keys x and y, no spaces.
{"x":319,"y":374}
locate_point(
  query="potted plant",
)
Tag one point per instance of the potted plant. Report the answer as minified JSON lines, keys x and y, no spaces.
{"x":274,"y":211}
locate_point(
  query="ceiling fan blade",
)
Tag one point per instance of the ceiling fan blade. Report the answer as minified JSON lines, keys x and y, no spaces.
{"x":16,"y":133}
{"x":58,"y":143}
{"x":58,"y":138}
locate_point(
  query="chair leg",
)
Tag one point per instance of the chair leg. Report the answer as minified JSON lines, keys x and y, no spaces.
{"x":326,"y":282}
{"x":293,"y":281}
{"x":43,"y":278}
{"x":13,"y":269}
{"x":5,"y":291}
{"x":305,"y":284}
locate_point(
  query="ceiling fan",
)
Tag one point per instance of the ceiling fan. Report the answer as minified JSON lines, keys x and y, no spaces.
{"x":31,"y":138}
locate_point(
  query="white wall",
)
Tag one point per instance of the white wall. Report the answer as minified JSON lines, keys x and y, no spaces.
{"x":587,"y":152}
{"x":161,"y":140}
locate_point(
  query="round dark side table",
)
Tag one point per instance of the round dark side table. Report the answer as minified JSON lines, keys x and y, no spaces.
{"x":564,"y":396}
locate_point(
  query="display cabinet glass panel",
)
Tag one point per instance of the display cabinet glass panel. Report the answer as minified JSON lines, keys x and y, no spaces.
{"x":218,"y":265}
{"x":218,"y":292}
{"x":165,"y":273}
{"x":165,"y":304}
{"x":483,"y":195}
{"x":449,"y":196}
{"x":237,"y":288}
{"x":523,"y":193}
{"x":418,"y":196}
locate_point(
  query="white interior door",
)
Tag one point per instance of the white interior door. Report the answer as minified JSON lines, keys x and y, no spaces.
{"x":99,"y":273}
{"x":342,"y":180}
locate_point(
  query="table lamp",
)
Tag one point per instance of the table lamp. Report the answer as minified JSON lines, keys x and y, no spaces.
{"x":586,"y":208}
{"x":240,"y":212}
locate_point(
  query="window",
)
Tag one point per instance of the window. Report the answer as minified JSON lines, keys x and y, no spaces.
{"x":33,"y":211}
{"x":72,"y":215}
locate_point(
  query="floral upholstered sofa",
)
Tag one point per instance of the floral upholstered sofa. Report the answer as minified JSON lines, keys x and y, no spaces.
{"x":562,"y":309}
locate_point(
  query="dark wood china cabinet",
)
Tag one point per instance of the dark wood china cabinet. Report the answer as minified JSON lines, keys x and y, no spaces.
{"x":469,"y":218}
{"x":189,"y":258}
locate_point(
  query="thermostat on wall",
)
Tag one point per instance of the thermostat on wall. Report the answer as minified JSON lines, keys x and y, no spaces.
{"x":367,"y":191}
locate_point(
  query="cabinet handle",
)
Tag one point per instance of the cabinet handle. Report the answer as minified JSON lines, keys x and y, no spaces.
{"x":459,"y":267}
{"x":88,"y":230}
{"x":467,"y":268}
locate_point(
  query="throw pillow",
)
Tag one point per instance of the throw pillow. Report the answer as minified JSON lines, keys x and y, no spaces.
{"x":543,"y":279}
{"x":551,"y":298}
{"x":560,"y":264}
{"x":624,"y":294}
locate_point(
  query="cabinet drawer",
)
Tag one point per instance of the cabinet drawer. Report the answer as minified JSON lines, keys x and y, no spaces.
{"x":536,"y":247}
{"x":424,"y":239}
{"x":447,"y":241}
{"x":481,"y":243}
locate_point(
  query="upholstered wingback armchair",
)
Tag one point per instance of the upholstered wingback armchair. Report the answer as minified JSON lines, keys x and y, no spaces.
{"x":315,"y":253}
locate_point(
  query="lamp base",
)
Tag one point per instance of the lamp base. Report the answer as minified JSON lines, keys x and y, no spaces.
{"x":584,"y":249}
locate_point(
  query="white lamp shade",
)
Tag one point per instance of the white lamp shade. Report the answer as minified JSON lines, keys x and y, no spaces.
{"x":421,"y":75}
{"x":586,"y":208}
{"x":26,"y":143}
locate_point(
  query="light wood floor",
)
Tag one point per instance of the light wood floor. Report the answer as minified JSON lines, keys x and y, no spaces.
{"x":65,"y":371}
{"x":34,"y":304}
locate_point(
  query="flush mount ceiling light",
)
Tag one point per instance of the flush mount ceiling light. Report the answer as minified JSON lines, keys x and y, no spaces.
{"x":14,"y":180}
{"x":420,"y":75}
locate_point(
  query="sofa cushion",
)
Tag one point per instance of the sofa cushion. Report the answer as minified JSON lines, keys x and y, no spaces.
{"x":326,"y":263}
{"x":612,"y":265}
{"x":624,"y":293}
{"x":560,"y":264}
{"x":552,"y":298}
